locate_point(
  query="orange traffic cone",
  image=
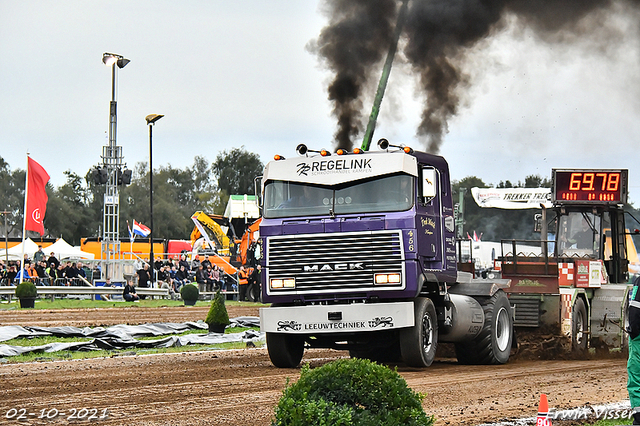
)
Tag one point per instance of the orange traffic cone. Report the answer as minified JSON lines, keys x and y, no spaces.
{"x":543,"y":412}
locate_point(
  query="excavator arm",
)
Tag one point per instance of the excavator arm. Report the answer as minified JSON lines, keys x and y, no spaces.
{"x":202,"y":222}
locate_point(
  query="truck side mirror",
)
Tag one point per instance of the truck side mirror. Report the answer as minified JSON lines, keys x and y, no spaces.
{"x":537,"y":222}
{"x":257,"y":189}
{"x":429,"y":185}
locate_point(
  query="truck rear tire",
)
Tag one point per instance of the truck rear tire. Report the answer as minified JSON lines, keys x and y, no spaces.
{"x":579,"y":331}
{"x":493,"y":343}
{"x":285,"y":350}
{"x":418,"y":343}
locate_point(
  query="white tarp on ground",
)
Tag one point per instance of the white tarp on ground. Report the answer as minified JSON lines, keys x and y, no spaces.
{"x":512,"y":198}
{"x":64,"y":250}
{"x":123,"y":336}
{"x":15,"y":252}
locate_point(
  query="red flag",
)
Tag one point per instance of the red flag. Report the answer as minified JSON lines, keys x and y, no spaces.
{"x":36,"y":205}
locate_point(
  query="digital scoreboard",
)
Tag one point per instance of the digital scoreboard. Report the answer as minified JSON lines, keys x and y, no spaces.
{"x":594,"y":186}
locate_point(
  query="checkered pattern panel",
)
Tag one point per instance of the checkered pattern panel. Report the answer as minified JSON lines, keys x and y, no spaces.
{"x":566,"y":305}
{"x":566,"y":276}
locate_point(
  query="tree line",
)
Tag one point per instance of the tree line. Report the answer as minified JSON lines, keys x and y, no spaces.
{"x":75,"y":209}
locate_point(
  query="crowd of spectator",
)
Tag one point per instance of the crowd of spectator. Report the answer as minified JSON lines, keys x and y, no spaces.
{"x":174,"y":273}
{"x":171,"y":274}
{"x":43,"y":270}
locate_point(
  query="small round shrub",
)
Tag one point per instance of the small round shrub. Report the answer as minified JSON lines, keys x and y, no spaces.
{"x":189,"y":292}
{"x":26,"y":289}
{"x":218,"y":311}
{"x":350,"y":392}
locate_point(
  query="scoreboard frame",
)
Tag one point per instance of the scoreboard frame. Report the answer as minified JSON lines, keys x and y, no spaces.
{"x":589,"y":186}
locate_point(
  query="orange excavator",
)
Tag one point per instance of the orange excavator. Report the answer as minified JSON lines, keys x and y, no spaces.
{"x":250,"y":239}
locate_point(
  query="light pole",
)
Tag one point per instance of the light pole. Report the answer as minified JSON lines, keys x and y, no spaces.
{"x":112,"y":161}
{"x":151,"y":119}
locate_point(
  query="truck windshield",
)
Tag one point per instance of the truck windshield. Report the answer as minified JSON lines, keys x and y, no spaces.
{"x":292,"y":199}
{"x":579,"y":235}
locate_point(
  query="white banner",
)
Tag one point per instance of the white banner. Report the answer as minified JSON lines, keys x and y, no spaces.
{"x":512,"y":198}
{"x":338,"y":169}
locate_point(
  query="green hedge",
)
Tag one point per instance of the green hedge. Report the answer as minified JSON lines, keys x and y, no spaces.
{"x":189,"y":292}
{"x":350,"y":392}
{"x":26,"y":289}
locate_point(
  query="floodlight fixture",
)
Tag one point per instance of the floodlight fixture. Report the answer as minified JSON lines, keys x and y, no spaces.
{"x":111,"y":58}
{"x":152,"y":118}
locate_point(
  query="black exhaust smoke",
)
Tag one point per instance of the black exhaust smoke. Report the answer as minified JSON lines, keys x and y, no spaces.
{"x":438,"y":34}
{"x":357,"y":38}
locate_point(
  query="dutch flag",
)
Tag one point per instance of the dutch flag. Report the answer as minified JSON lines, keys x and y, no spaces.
{"x":140,"y":229}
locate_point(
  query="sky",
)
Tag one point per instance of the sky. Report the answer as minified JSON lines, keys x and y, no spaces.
{"x":230,"y":74}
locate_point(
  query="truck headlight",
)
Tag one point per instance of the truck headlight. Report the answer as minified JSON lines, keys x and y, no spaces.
{"x":276,"y":283}
{"x":393,"y":278}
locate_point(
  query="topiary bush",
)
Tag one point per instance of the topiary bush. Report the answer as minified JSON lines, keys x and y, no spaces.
{"x":26,"y":289}
{"x":350,"y":392}
{"x":189,"y":292}
{"x":218,"y":311}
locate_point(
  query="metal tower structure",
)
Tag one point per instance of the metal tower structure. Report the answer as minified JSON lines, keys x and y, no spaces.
{"x":112,"y":161}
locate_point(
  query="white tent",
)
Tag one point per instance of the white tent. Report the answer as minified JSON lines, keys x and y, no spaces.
{"x":64,"y":250}
{"x":15,"y":252}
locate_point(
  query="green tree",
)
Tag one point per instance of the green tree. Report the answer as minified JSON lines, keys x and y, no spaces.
{"x":177,"y":194}
{"x":12,"y":197}
{"x":236,"y":171}
{"x":67,"y":210}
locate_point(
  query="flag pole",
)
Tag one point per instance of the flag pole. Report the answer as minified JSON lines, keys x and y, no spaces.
{"x":132,"y":238}
{"x":24,"y":218}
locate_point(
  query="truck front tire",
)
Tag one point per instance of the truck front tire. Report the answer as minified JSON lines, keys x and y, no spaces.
{"x":418,"y":343}
{"x":493,"y":343}
{"x":579,"y":328}
{"x":285,"y":350}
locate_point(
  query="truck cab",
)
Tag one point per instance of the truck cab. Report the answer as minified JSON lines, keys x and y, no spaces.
{"x":359,"y":253}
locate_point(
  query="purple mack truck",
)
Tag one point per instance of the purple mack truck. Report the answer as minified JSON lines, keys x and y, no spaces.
{"x":359,"y":253}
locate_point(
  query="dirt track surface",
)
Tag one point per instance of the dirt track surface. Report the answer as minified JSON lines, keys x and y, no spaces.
{"x":241,"y":387}
{"x":130,"y":314}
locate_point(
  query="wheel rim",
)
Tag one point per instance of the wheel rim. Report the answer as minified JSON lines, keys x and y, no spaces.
{"x":503,"y":331}
{"x":427,"y":333}
{"x":579,"y":335}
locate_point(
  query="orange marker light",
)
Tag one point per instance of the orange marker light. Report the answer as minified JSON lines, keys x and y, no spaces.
{"x":341,"y":152}
{"x":278,"y":157}
{"x":357,"y":151}
{"x":325,"y":153}
{"x":407,"y":149}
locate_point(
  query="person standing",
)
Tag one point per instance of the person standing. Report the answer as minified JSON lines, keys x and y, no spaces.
{"x":53,"y":273}
{"x":633,"y":364}
{"x":39,"y":255}
{"x":206,"y":262}
{"x":243,"y":284}
{"x":144,"y":277}
{"x":200,"y":278}
{"x":255,"y":281}
{"x":53,"y":259}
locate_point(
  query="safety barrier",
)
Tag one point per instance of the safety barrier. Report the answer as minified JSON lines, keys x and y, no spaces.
{"x":53,"y":291}
{"x":228,"y":295}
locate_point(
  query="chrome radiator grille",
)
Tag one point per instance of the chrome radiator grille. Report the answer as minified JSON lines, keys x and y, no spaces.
{"x":335,"y":262}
